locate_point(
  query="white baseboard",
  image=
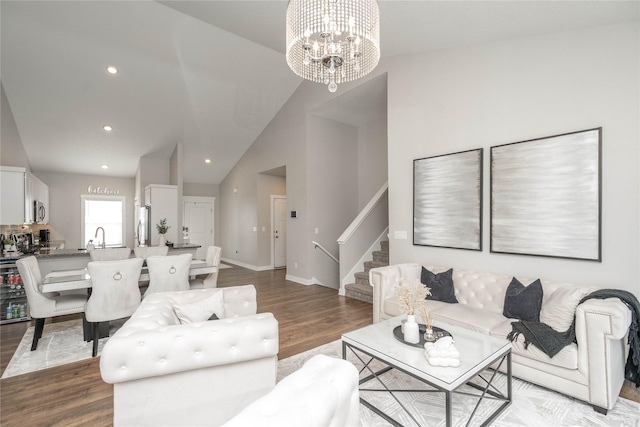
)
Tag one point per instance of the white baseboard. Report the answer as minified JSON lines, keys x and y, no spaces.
{"x":298,"y":280}
{"x":245,"y":265}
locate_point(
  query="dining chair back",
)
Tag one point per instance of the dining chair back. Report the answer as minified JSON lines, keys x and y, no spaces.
{"x":43,"y":305}
{"x":146,"y":251}
{"x":111,"y":254}
{"x":114,"y":292}
{"x":168,"y":273}
{"x":211,"y":280}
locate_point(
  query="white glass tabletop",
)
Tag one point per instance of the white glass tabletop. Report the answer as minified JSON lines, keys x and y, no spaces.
{"x":476,"y":352}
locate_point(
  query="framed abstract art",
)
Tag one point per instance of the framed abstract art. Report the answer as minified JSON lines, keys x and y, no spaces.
{"x":447,"y":200}
{"x":546,"y":196}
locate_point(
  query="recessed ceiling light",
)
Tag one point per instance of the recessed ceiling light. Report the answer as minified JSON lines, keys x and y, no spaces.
{"x":104,"y":166}
{"x":112,"y":70}
{"x":107,"y":128}
{"x":207,"y":160}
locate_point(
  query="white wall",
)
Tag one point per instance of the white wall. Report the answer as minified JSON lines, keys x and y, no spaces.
{"x":286,"y":142}
{"x":11,"y":150}
{"x":480,"y":96}
{"x":65,"y":205}
{"x":333,"y":191}
{"x":372,"y":159}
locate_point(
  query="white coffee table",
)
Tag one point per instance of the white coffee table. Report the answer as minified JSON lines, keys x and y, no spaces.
{"x":477,"y":352}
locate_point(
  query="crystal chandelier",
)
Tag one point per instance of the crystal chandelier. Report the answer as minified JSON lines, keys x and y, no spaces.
{"x":333,"y":41}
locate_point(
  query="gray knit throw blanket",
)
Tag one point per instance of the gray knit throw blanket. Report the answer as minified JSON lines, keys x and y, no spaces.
{"x":551,"y":341}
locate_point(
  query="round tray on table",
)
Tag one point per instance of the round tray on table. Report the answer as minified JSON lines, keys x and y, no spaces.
{"x":437,"y":334}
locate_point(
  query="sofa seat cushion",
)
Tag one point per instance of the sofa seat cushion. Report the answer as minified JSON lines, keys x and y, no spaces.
{"x":475,"y":319}
{"x":391,"y":306}
{"x":566,"y":358}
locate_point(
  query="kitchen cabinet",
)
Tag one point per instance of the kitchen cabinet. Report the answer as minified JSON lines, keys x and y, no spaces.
{"x":25,"y":199}
{"x":36,"y":200}
{"x":163,"y":203}
{"x":12,"y":195}
{"x":42,"y":197}
{"x":29,"y":198}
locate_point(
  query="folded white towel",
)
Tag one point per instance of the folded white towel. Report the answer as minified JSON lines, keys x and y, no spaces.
{"x":442,"y":353}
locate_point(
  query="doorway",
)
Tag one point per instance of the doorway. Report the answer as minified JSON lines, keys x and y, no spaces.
{"x":279,"y":227}
{"x":197,"y":216}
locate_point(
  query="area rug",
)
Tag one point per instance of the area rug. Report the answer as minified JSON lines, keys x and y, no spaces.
{"x":62,"y":343}
{"x":531,"y":406}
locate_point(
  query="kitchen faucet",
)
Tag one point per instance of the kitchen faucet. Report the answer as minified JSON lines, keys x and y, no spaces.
{"x":96,"y":236}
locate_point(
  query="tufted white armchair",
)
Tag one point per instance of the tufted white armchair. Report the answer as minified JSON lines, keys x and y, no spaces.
{"x":323,"y":393}
{"x":204,"y":373}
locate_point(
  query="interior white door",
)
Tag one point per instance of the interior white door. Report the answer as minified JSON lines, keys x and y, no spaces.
{"x":198,"y":217}
{"x":280,"y":232}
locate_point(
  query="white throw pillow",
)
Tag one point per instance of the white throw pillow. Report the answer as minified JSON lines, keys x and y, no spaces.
{"x":201,"y":310}
{"x":560,"y":309}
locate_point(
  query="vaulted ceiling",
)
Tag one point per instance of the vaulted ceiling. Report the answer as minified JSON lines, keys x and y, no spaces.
{"x":211,"y":74}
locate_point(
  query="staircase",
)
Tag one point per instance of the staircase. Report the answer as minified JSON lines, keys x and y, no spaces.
{"x":361,"y":289}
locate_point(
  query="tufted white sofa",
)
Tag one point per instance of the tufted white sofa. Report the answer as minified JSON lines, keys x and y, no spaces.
{"x":591,"y":370}
{"x":323,"y":393}
{"x":166,"y":373}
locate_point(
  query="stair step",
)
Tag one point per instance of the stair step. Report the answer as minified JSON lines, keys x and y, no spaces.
{"x":368,"y":265}
{"x":381,"y":256}
{"x":359,"y":292}
{"x":384,"y":245}
{"x":362,"y":278}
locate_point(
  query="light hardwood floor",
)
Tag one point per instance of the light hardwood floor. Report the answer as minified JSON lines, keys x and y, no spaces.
{"x":75,"y":395}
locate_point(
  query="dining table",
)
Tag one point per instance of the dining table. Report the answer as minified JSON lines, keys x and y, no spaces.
{"x":69,"y":280}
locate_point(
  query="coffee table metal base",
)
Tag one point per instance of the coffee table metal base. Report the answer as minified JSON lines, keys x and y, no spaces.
{"x":488,"y":390}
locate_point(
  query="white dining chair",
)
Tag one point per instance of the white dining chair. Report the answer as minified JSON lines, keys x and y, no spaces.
{"x":114,"y":293}
{"x":146,"y":251}
{"x":43,"y":305}
{"x":211,"y":280}
{"x":168,"y":273}
{"x":111,"y":254}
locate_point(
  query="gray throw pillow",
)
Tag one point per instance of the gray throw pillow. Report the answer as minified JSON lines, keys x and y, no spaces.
{"x":440,"y":285}
{"x":523,"y":302}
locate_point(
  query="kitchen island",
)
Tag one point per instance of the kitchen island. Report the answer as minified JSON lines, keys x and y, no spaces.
{"x":69,"y":259}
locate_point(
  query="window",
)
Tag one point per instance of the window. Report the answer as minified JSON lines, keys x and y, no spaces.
{"x":106,"y":212}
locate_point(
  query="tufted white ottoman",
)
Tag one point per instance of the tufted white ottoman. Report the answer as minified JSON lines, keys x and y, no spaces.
{"x":166,"y":373}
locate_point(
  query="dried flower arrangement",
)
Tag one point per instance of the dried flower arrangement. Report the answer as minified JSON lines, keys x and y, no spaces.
{"x":411,"y":296}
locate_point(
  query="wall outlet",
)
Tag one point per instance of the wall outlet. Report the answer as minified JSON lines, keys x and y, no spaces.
{"x":255,"y":228}
{"x":317,"y":230}
{"x":400,"y":235}
{"x":295,"y":265}
{"x":264,"y":228}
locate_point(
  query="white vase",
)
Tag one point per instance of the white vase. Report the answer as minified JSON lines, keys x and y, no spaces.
{"x":161,"y":240}
{"x":411,"y":330}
